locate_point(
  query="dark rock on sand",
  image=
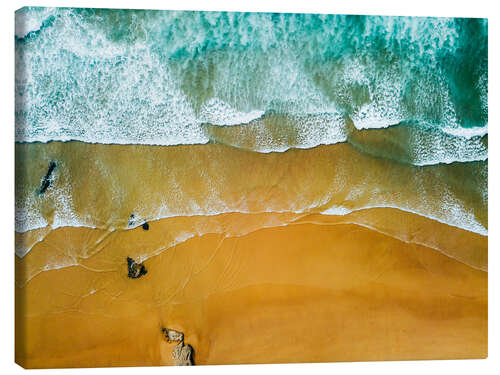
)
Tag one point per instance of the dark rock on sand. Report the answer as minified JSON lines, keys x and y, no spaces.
{"x":135,"y":270}
{"x":145,"y":226}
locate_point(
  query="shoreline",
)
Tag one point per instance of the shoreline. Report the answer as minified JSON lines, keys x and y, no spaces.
{"x":179,"y":181}
{"x":467,"y":247}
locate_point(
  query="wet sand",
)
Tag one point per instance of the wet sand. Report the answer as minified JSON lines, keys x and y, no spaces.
{"x":312,"y":290}
{"x":102,"y":185}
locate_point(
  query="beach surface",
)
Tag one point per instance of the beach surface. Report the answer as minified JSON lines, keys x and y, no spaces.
{"x":377,"y":283}
{"x":240,"y":187}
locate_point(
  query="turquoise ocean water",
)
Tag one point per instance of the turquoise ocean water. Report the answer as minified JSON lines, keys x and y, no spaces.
{"x":167,"y":77}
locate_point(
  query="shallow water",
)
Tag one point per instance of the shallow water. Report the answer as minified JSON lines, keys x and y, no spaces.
{"x":103,"y":185}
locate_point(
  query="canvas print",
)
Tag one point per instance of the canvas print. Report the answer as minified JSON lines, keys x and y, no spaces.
{"x":199,"y":188}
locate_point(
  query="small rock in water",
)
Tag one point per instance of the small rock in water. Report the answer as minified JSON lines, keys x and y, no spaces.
{"x":135,"y":270}
{"x":182,"y":355}
{"x":47,"y":179}
{"x":131,"y":221}
{"x":172,"y":335}
{"x":145,"y":226}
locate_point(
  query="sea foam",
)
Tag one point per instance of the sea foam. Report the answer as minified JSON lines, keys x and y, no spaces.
{"x":82,"y":75}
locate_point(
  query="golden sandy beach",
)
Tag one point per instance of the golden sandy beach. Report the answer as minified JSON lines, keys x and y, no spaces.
{"x":374,"y":284}
{"x":358,"y":295}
